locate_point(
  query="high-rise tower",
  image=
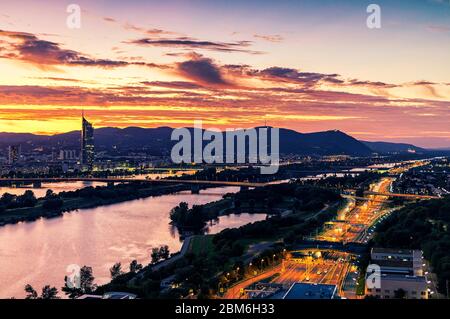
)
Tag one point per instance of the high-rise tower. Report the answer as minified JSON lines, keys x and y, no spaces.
{"x":87,"y":143}
{"x":13,"y":154}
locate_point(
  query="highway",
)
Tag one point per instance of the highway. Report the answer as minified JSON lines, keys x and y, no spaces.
{"x":332,"y":266}
{"x":327,"y":267}
{"x":359,"y":219}
{"x":234,"y":292}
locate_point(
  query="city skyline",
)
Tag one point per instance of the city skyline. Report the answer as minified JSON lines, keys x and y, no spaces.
{"x":307,"y":66}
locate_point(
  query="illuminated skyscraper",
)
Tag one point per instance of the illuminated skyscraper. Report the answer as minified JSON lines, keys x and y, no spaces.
{"x":13,"y":154}
{"x":87,"y":143}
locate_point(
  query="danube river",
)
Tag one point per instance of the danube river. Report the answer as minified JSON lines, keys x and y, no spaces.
{"x":71,"y":186}
{"x":39,"y":252}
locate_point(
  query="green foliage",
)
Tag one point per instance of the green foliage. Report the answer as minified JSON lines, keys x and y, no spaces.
{"x":423,"y":225}
{"x":9,"y":201}
{"x":188,"y":219}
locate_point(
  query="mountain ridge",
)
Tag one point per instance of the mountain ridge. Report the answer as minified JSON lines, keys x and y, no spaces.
{"x":158,"y":141}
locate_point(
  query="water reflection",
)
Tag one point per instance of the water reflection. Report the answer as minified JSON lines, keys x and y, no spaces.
{"x":39,"y":252}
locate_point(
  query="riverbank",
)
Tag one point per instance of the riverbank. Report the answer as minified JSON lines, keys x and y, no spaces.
{"x":71,"y":202}
{"x":219,"y":260}
{"x":96,"y":237}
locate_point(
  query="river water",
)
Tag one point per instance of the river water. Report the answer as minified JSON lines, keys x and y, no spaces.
{"x":71,"y":186}
{"x":38,"y":253}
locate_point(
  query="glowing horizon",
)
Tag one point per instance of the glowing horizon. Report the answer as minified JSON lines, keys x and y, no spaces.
{"x":307,"y":66}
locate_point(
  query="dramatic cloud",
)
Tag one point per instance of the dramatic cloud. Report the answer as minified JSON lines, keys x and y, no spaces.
{"x":191,"y":44}
{"x":295,"y":75}
{"x":46,"y":54}
{"x":284,"y":75}
{"x":202,"y":70}
{"x":372,"y":84}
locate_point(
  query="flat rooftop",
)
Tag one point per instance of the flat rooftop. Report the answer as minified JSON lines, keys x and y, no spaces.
{"x":310,"y":291}
{"x":394,"y":263}
{"x":392,"y":251}
{"x":394,"y":277}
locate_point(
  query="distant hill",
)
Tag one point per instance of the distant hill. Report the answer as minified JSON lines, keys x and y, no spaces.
{"x":393,"y":148}
{"x":321,"y":143}
{"x":157,"y":141}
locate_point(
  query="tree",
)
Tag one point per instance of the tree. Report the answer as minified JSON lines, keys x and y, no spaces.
{"x":31,"y":293}
{"x":27,"y":199}
{"x":47,"y":293}
{"x":85,"y":286}
{"x":53,"y":203}
{"x":134,"y":266}
{"x":7,"y":199}
{"x":116,"y":270}
{"x":155,"y":255}
{"x":87,"y":280}
{"x":178,"y":214}
{"x":164,"y":252}
{"x":49,"y":193}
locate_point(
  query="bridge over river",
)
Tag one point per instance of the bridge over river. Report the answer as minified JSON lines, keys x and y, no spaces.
{"x":37,"y":182}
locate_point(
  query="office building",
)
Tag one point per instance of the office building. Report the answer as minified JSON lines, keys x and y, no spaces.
{"x":401,"y":274}
{"x":87,"y":144}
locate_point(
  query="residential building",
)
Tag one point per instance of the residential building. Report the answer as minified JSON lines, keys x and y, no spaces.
{"x":13,"y":154}
{"x":67,"y":155}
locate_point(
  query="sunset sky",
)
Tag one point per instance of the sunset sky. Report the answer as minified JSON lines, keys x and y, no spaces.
{"x":306,"y":65}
